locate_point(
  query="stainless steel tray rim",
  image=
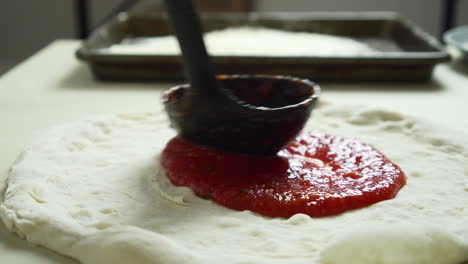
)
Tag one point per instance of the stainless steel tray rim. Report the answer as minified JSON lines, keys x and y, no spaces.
{"x":84,"y":54}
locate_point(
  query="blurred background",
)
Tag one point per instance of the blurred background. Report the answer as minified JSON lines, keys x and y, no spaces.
{"x":28,"y":26}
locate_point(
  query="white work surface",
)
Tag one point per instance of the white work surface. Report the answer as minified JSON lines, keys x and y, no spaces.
{"x":53,"y":87}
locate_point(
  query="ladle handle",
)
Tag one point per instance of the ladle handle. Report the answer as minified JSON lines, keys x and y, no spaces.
{"x":198,"y":68}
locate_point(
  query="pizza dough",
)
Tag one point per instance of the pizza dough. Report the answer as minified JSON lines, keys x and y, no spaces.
{"x":93,"y":190}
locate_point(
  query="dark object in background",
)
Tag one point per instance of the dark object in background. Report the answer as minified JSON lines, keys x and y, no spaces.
{"x":449,"y":8}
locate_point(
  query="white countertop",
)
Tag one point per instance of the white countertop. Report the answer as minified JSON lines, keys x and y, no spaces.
{"x":53,"y":87}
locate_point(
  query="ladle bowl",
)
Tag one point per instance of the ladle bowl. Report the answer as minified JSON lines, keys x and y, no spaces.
{"x":260,"y":115}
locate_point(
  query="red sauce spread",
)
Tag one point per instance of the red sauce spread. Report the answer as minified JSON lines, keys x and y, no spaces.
{"x":317,"y":174}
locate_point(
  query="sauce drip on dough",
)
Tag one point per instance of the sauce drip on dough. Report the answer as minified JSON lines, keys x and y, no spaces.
{"x":317,"y":174}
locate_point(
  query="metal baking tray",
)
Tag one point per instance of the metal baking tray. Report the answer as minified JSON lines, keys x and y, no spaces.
{"x":415,"y":59}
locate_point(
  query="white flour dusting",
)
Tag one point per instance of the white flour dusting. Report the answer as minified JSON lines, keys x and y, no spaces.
{"x":256,"y":41}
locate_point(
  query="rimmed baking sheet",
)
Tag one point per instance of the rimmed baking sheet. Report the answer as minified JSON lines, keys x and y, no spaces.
{"x":404,"y":52}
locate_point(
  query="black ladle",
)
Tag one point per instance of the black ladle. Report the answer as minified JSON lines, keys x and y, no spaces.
{"x":238,"y":113}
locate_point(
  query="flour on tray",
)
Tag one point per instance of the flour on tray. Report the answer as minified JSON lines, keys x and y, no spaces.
{"x":253,"y":41}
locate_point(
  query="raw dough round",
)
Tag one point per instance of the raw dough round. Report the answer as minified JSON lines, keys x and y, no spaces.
{"x":93,"y":190}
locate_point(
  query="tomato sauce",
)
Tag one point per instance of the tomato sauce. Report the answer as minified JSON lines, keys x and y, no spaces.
{"x":317,"y":174}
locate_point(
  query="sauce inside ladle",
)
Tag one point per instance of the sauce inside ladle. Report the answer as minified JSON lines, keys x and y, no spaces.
{"x":238,"y":113}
